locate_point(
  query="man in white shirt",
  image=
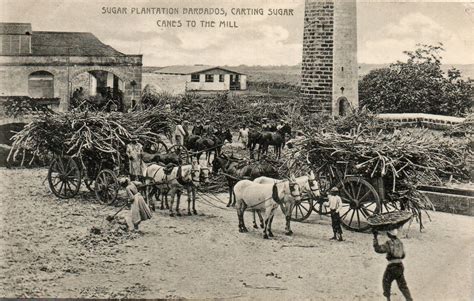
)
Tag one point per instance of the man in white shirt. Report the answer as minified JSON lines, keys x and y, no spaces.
{"x":335,"y":203}
{"x":244,"y":135}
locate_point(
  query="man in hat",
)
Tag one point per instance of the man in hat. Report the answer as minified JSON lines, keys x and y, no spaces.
{"x":198,"y":128}
{"x":394,"y":271}
{"x":281,"y":123}
{"x":335,"y":203}
{"x":135,"y":155}
{"x":205,"y":128}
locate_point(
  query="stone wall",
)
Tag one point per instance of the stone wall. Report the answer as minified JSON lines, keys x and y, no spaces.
{"x":316,"y":75}
{"x":14,"y":72}
{"x":345,"y":67}
{"x":329,"y":54}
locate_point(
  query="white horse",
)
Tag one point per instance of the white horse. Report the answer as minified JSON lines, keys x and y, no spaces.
{"x":255,"y":196}
{"x":307,"y":183}
{"x":177,"y":179}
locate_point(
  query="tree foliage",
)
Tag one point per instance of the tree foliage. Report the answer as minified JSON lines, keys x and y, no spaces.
{"x":418,"y":85}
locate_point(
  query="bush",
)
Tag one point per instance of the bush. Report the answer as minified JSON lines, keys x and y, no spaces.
{"x":416,"y":86}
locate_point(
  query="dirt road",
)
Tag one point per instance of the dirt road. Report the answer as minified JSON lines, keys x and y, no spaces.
{"x":48,"y":251}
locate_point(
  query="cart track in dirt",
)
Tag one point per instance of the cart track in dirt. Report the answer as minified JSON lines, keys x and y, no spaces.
{"x":48,"y":251}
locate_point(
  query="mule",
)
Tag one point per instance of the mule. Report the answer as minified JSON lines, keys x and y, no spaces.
{"x":236,"y":171}
{"x":308,"y":184}
{"x":267,"y":198}
{"x":176,"y":179}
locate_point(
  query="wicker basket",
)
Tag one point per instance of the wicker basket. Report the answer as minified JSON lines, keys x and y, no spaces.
{"x":389,"y":220}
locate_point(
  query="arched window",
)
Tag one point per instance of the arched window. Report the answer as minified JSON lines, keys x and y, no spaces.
{"x":41,"y":84}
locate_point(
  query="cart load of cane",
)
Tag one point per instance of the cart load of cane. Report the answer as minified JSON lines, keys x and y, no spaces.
{"x":389,"y":220}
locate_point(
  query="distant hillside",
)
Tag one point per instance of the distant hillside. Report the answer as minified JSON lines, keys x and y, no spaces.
{"x":291,"y":74}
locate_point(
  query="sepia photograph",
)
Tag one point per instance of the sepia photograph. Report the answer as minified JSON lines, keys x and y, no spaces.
{"x":237,"y":149}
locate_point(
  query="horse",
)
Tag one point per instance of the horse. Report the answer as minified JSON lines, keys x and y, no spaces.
{"x":162,"y":158}
{"x":209,"y":144}
{"x":308,"y":184}
{"x":277,"y":139}
{"x":176,"y":179}
{"x":237,"y":171}
{"x":266,"y":197}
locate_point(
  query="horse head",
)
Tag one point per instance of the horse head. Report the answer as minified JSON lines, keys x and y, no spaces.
{"x":285,"y":129}
{"x":313,"y":185}
{"x":218,"y":163}
{"x":227,"y":135}
{"x":295,"y":190}
{"x":199,"y":174}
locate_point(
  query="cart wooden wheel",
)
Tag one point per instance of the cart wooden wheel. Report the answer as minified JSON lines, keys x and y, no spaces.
{"x":319,"y":207}
{"x":302,"y":210}
{"x":106,"y":186}
{"x":64,"y":177}
{"x":182,"y":153}
{"x":359,"y":201}
{"x":160,"y":147}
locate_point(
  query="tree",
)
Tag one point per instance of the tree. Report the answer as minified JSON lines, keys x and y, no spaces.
{"x":416,"y":86}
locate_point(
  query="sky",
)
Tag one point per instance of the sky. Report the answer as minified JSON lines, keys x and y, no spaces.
{"x":385,"y":29}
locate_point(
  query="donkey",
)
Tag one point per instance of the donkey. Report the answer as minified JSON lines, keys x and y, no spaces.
{"x":176,"y":179}
{"x":266,"y":197}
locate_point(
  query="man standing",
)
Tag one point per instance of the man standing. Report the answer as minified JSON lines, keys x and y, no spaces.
{"x":198,"y":128}
{"x":179,"y":134}
{"x":395,"y":269}
{"x":135,"y":153}
{"x":335,"y":203}
{"x":244,"y":135}
{"x":265,"y":125}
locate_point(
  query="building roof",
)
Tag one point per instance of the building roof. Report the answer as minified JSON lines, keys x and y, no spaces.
{"x":190,"y":69}
{"x":69,"y":44}
{"x":56,"y":43}
{"x":15,"y":28}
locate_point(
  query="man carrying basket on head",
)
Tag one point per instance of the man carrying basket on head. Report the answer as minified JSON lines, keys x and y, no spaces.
{"x":395,"y":269}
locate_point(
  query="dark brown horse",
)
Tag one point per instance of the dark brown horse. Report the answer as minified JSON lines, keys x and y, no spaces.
{"x":239,"y":170}
{"x":277,"y":139}
{"x":208,"y":144}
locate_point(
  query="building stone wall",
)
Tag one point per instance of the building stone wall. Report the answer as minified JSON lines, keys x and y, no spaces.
{"x":173,"y":84}
{"x":329,"y":54}
{"x":14,"y":72}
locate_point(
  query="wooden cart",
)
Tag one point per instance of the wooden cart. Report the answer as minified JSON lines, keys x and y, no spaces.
{"x":361,"y":197}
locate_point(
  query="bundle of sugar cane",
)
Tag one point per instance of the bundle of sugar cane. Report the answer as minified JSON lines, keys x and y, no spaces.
{"x":100,"y":135}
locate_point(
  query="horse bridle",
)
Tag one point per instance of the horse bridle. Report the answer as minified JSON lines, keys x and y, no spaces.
{"x":198,"y":176}
{"x":311,"y":184}
{"x":293,"y":189}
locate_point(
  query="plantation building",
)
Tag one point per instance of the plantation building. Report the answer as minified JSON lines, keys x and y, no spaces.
{"x":198,"y":78}
{"x":50,"y":64}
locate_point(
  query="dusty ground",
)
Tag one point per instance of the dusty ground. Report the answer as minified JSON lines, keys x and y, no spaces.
{"x":48,"y":251}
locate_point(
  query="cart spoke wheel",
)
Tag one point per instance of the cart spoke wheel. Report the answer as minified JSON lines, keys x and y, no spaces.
{"x":360,"y":201}
{"x":64,"y":177}
{"x":160,"y":147}
{"x":301,"y":210}
{"x":319,"y":207}
{"x":106,"y":187}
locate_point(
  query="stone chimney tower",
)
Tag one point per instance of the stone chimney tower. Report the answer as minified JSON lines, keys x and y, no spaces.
{"x":329,"y":76}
